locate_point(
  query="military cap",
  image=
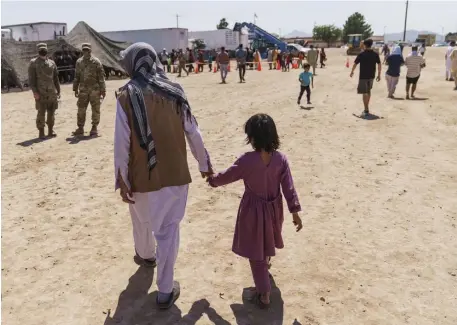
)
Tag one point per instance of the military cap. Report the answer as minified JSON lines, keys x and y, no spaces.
{"x":86,"y":46}
{"x":42,"y":46}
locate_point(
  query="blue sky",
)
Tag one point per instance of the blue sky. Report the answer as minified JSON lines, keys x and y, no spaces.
{"x":204,"y":15}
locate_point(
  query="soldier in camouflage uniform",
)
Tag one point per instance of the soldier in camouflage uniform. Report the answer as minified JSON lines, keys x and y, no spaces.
{"x":44,"y":82}
{"x":89,"y":87}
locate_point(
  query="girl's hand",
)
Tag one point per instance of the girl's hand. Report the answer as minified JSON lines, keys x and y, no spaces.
{"x":297,"y":221}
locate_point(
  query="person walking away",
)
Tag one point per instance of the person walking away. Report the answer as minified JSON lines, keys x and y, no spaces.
{"x":164,"y":59}
{"x":394,"y":61}
{"x":223,"y":60}
{"x":386,"y":52}
{"x":306,"y":79}
{"x":422,"y":49}
{"x":301,"y":56}
{"x":153,"y":118}
{"x":414,"y":64}
{"x":290,"y":60}
{"x":275,"y":57}
{"x":368,"y":59}
{"x":210,"y":60}
{"x":182,"y":63}
{"x":270,"y":58}
{"x":173,"y":60}
{"x":201,"y":61}
{"x":448,"y":61}
{"x":190,"y":60}
{"x":241,"y":56}
{"x":323,"y":57}
{"x":453,"y":57}
{"x":89,"y":87}
{"x":312,"y":58}
{"x":282,"y":60}
{"x":257,"y":58}
{"x":258,"y":230}
{"x":44,"y":82}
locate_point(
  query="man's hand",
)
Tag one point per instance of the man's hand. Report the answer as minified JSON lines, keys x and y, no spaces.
{"x":352,"y":74}
{"x":58,"y":95}
{"x":103,"y":93}
{"x":207,"y":174}
{"x":297,"y":221}
{"x":36,"y":96}
{"x":378,"y":78}
{"x":126,"y":194}
{"x":76,"y":93}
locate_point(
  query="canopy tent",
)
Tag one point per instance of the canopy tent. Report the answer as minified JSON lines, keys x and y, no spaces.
{"x":16,"y":55}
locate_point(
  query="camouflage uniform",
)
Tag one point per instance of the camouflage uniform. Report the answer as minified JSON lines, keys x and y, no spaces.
{"x":44,"y":82}
{"x":89,"y":84}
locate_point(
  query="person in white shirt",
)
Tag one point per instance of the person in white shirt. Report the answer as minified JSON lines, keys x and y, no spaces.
{"x":414,"y":63}
{"x":422,"y":49}
{"x":447,"y":58}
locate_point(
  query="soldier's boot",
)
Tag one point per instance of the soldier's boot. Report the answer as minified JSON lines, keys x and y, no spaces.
{"x":79,"y":131}
{"x":51,"y":132}
{"x":41,"y":134}
{"x":93,"y":131}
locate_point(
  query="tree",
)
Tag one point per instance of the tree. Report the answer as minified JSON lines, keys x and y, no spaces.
{"x":327,"y":33}
{"x":356,"y":24}
{"x":198,"y":44}
{"x":223,"y":24}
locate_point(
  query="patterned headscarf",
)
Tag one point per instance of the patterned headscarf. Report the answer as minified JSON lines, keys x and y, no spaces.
{"x":141,"y":62}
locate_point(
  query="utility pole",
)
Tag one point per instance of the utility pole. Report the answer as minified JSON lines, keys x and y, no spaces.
{"x":406,"y":18}
{"x":177,"y":21}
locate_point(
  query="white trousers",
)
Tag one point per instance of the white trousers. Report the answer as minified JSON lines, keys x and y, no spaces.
{"x":156,"y":215}
{"x":448,"y":68}
{"x":391,"y":84}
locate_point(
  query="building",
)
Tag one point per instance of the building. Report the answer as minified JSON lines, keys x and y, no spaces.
{"x":168,"y":38}
{"x":40,"y":31}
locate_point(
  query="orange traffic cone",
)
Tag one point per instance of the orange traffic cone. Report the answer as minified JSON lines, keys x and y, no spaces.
{"x":347,"y":63}
{"x":278,"y":65}
{"x":228,"y":68}
{"x":259,"y":66}
{"x":196,"y":68}
{"x":215,"y":69}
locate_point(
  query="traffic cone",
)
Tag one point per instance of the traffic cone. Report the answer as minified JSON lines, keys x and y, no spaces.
{"x":278,"y":65}
{"x":228,"y":68}
{"x":347,"y":63}
{"x":196,"y":68}
{"x":215,"y":69}
{"x":259,"y":66}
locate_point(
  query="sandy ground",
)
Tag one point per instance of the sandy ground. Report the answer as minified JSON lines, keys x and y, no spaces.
{"x":379,"y":196}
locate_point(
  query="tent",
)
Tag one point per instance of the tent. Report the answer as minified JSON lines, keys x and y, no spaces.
{"x":16,"y":55}
{"x":105,"y":49}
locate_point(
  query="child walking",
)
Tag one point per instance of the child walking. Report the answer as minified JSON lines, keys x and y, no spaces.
{"x":306,"y":78}
{"x":260,"y":216}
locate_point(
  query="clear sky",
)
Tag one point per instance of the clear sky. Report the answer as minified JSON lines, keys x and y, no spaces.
{"x":204,"y":15}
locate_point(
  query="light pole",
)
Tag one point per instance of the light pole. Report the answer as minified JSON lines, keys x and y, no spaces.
{"x":177,"y":21}
{"x":385,"y":34}
{"x":406,"y":18}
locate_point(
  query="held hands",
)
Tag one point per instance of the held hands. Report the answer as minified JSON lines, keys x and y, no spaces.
{"x":297,"y":221}
{"x":378,"y":78}
{"x":103,"y":93}
{"x":36,"y":96}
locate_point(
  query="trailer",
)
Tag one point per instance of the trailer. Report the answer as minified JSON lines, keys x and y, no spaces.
{"x":162,"y":38}
{"x":427,"y":39}
{"x":215,"y":39}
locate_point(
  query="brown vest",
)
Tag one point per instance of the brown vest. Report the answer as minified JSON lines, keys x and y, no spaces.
{"x":168,"y":134}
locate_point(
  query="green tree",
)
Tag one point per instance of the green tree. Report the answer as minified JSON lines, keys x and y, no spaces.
{"x":327,"y":33}
{"x":223,"y":24}
{"x":198,"y":44}
{"x":356,"y":24}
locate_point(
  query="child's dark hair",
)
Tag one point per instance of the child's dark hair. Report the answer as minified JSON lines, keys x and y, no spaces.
{"x":306,"y":65}
{"x":261,"y":133}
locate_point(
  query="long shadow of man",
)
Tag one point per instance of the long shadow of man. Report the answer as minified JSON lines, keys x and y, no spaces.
{"x":136,"y":306}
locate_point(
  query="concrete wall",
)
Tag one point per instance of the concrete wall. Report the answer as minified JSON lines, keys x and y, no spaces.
{"x":39,"y":32}
{"x":169,"y":38}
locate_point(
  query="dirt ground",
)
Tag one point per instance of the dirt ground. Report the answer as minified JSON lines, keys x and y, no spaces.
{"x":379,"y":197}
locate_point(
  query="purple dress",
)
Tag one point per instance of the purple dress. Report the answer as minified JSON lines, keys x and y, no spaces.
{"x":260,"y":215}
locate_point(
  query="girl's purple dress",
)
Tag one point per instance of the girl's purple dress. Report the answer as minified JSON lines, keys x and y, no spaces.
{"x":260,"y":215}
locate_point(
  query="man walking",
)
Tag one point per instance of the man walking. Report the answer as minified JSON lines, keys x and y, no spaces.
{"x":223,"y":60}
{"x":270,"y":58}
{"x":447,"y":58}
{"x":414,"y":63}
{"x":312,"y":56}
{"x":241,"y":56}
{"x":153,"y":118}
{"x":182,"y":63}
{"x":368,"y":60}
{"x":89,"y":87}
{"x":453,"y":57}
{"x":164,"y":59}
{"x":44,"y":82}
